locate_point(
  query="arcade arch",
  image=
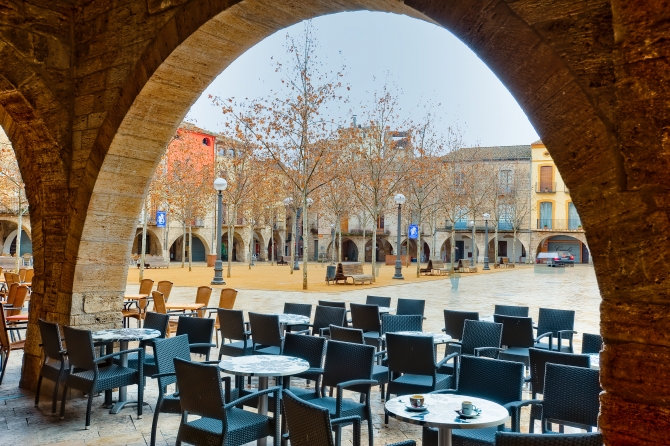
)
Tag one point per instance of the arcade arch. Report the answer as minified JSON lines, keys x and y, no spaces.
{"x":575,"y":244}
{"x":199,"y":249}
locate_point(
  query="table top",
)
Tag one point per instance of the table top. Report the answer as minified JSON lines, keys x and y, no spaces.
{"x":595,"y":360}
{"x":136,"y":296}
{"x":18,"y":317}
{"x":438,"y":338}
{"x":292,"y":319}
{"x":175,"y":306}
{"x":386,"y":310}
{"x":125,"y":334}
{"x":441,"y":412}
{"x":264,"y":365}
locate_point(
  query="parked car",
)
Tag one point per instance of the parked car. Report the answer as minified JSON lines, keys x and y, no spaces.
{"x":552,"y":259}
{"x":567,"y":258}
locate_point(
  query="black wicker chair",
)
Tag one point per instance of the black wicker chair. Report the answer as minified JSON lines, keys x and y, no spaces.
{"x":200,"y":394}
{"x":394,"y":323}
{"x":380,"y":301}
{"x":55,"y":366}
{"x":301,"y":309}
{"x":266,"y":334}
{"x":199,"y":331}
{"x":86,"y":376}
{"x":329,"y":303}
{"x":514,"y":439}
{"x":380,"y":373}
{"x":511,"y":310}
{"x":454,"y":321}
{"x":348,"y":367}
{"x":479,"y":338}
{"x":366,"y":318}
{"x":154,"y":321}
{"x":558,"y":324}
{"x":538,"y":361}
{"x":311,"y":425}
{"x":410,"y":306}
{"x":312,"y":350}
{"x":490,"y":379}
{"x":411,"y":365}
{"x":571,"y":397}
{"x":233,"y":329}
{"x":591,"y":343}
{"x":517,"y":337}
{"x":324,"y":317}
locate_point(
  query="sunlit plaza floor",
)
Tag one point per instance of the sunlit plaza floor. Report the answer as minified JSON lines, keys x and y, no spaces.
{"x":566,"y":288}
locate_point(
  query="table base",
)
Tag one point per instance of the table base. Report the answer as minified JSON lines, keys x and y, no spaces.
{"x":444,"y":437}
{"x":263,"y":405}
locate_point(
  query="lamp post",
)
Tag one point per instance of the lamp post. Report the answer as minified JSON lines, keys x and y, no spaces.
{"x":399,"y":199}
{"x":219,"y":185}
{"x":332,"y":243}
{"x":474,"y":245}
{"x":486,"y":241}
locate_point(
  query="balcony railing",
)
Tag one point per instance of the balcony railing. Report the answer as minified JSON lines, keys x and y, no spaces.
{"x":559,"y":225}
{"x":543,"y":188}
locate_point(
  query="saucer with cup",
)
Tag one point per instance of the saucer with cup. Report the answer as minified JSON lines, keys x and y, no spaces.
{"x":468,"y":410}
{"x":416,"y":403}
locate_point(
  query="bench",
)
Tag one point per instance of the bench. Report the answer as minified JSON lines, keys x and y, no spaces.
{"x":466,"y":269}
{"x":151,"y":261}
{"x":437,"y":267}
{"x":505,"y":262}
{"x":353,"y":271}
{"x":282,"y":260}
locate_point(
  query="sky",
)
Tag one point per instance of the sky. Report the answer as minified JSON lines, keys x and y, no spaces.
{"x":424,"y":63}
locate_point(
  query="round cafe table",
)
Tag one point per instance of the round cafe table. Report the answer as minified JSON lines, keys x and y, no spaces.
{"x":438,"y":338}
{"x":263,"y":366}
{"x":123,"y":336}
{"x":441,"y":414}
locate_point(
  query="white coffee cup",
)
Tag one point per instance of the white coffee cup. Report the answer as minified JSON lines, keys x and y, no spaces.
{"x":468,"y":408}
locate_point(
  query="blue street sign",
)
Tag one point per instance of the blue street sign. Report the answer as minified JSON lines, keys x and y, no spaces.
{"x":414,"y":232}
{"x":160,"y":219}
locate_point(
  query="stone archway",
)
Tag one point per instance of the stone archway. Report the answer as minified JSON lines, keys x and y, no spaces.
{"x":573,"y":243}
{"x":89,"y":112}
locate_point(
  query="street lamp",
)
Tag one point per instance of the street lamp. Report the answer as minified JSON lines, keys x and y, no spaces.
{"x":332,"y":243}
{"x":399,"y":199}
{"x":220,"y":185}
{"x":474,"y":245}
{"x":486,"y":241}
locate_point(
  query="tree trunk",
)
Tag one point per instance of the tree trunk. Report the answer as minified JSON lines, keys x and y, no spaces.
{"x":339,"y":244}
{"x":166,"y":251}
{"x":144,"y":242}
{"x":305,"y":245}
{"x":272,"y":243}
{"x":514,"y":247}
{"x":230,"y":239}
{"x":190,"y":246}
{"x":294,"y":245}
{"x":183,"y":244}
{"x":474,"y":245}
{"x":373,"y":250}
{"x":251,"y":245}
{"x":453,"y":247}
{"x":495,"y":244}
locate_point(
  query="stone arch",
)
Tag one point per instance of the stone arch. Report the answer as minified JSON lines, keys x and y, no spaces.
{"x":200,"y":248}
{"x":9,"y":241}
{"x":563,"y":242}
{"x":155,"y":245}
{"x":521,"y":250}
{"x":467,"y":246}
{"x":239,"y":247}
{"x":277,"y":245}
{"x":384,"y":248}
{"x":259,"y":242}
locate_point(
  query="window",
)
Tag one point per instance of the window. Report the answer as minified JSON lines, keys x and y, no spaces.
{"x":505,"y":214}
{"x":546,"y":213}
{"x":380,"y":222}
{"x":461,"y":217}
{"x":502,"y":248}
{"x":546,"y":177}
{"x":574,"y":221}
{"x":205,"y":141}
{"x":504,"y":181}
{"x":459,"y":182}
{"x":231,"y":153}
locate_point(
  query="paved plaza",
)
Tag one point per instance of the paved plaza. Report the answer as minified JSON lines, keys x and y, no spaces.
{"x":566,"y":288}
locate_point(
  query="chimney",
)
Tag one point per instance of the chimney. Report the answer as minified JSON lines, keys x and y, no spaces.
{"x":354,"y":120}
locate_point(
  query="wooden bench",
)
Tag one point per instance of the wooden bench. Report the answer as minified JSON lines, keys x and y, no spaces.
{"x":151,"y":261}
{"x":437,"y":267}
{"x":282,"y":261}
{"x":505,"y":263}
{"x":466,"y":269}
{"x":353,"y":271}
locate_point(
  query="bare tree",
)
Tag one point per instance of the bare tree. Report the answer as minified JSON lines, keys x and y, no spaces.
{"x":12,"y":191}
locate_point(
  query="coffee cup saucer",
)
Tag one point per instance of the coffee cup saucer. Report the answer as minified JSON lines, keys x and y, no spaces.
{"x":472,"y":415}
{"x":416,"y":409}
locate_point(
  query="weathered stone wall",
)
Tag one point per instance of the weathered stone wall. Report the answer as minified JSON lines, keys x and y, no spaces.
{"x":90,"y":92}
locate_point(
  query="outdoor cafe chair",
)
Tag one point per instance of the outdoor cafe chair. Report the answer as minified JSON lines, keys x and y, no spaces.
{"x":234,"y":329}
{"x":347,"y":367}
{"x":538,"y":362}
{"x":571,"y":397}
{"x":511,"y":310}
{"x":490,"y":379}
{"x":517,"y":337}
{"x":324,"y":317}
{"x":227,"y":302}
{"x":199,"y":331}
{"x":202,"y":296}
{"x":556,"y":325}
{"x":311,"y":425}
{"x":28,"y":279}
{"x":515,"y":439}
{"x":392,"y":323}
{"x":380,"y":301}
{"x":479,"y":338}
{"x":166,"y":350}
{"x":86,"y":375}
{"x":266,"y":334}
{"x":380,"y":373}
{"x":55,"y":366}
{"x":310,"y":348}
{"x":22,"y":275}
{"x":412,"y":367}
{"x":165,"y":287}
{"x":136,"y":309}
{"x":201,"y":395}
{"x":454,"y":321}
{"x":410,"y":307}
{"x":153,"y":321}
{"x":329,"y":303}
{"x":591,"y":343}
{"x":366,"y":318}
{"x":302,"y":310}
{"x":21,"y":293}
{"x":6,"y":345}
{"x":159,"y":307}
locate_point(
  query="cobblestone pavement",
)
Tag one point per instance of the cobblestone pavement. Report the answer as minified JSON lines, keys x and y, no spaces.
{"x":567,"y":288}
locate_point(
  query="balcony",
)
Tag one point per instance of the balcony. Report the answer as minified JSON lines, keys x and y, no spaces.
{"x":574,"y":225}
{"x":545,"y":188}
